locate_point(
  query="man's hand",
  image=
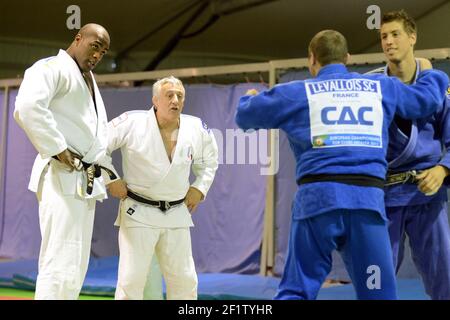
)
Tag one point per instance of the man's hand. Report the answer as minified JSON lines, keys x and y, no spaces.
{"x":430,"y":181}
{"x":251,"y":92}
{"x":193,"y":198}
{"x":68,"y":159}
{"x":118,"y":189}
{"x":425,"y":64}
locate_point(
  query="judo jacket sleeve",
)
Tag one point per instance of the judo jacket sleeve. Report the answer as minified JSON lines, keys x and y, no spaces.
{"x":117,"y":134}
{"x":444,"y":130}
{"x":205,"y":160}
{"x":270,"y":109}
{"x":32,"y":111}
{"x":421,"y":99}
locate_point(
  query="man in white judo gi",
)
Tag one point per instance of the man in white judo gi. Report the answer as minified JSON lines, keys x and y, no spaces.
{"x":159,"y":146}
{"x":60,"y":108}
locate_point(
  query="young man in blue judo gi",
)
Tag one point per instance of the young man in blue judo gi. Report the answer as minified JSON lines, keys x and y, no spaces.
{"x":337,"y":126}
{"x":416,"y":200}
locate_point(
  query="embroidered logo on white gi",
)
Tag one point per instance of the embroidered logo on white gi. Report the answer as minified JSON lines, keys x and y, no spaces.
{"x":345,"y":112}
{"x":119,"y":119}
{"x":130,"y":211}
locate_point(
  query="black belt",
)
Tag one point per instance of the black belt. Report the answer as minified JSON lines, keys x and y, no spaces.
{"x":352,"y":179}
{"x":93,"y":171}
{"x":401,"y":177}
{"x":162,"y":205}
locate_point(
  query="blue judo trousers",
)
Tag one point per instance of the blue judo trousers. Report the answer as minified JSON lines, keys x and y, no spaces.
{"x":417,"y":145}
{"x":350,"y":232}
{"x":337,"y":126}
{"x":429,"y":238}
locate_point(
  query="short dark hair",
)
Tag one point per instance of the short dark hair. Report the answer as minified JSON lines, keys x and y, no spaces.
{"x":408,"y":23}
{"x":329,"y":46}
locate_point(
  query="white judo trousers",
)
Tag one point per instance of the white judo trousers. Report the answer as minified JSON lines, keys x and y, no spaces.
{"x":153,"y":289}
{"x":66,"y":223}
{"x":138,"y":271}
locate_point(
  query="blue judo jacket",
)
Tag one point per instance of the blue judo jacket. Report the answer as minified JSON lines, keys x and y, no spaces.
{"x":337,"y":123}
{"x":427,"y":145}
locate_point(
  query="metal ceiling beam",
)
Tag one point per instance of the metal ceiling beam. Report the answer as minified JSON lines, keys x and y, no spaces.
{"x":123,"y":53}
{"x":224,"y":7}
{"x":171,"y":44}
{"x":219,"y":8}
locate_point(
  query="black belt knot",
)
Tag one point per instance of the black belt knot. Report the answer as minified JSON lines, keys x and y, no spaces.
{"x":160,"y":204}
{"x":93,"y":171}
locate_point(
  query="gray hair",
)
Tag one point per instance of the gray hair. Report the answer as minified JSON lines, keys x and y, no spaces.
{"x":171,"y":79}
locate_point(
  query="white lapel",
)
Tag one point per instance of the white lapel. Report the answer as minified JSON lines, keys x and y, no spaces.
{"x":75,"y":73}
{"x":101,"y":113}
{"x":101,"y":133}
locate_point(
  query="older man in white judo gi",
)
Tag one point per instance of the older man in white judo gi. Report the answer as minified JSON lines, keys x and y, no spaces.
{"x":159,"y":146}
{"x":60,"y":108}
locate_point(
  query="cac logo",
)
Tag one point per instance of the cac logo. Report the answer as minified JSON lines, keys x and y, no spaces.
{"x":330,"y":116}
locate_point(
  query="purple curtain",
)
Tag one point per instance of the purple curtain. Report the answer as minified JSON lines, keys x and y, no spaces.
{"x":20,"y":230}
{"x":229,"y":224}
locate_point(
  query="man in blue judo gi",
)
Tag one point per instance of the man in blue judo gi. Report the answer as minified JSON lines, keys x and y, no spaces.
{"x":416,"y":200}
{"x":337,"y":126}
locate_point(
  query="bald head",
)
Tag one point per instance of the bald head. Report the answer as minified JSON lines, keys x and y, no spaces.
{"x":89,"y":46}
{"x":93,"y":29}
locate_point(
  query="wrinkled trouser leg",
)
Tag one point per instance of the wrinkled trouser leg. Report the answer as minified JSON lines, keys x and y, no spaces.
{"x":174,"y":253}
{"x":66,"y":224}
{"x":153,"y":289}
{"x":429,"y":237}
{"x":136,"y":246}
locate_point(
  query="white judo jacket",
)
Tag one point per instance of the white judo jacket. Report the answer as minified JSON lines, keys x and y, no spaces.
{"x":148,"y":171}
{"x":56,"y":110}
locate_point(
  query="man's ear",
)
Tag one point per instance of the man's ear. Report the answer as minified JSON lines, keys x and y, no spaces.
{"x":413,"y":39}
{"x":154,"y":101}
{"x":312,"y":58}
{"x":347,"y":58}
{"x":78,"y":38}
{"x":311,"y":64}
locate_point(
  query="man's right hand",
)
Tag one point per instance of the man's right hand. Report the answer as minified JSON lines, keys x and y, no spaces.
{"x":118,"y":189}
{"x":68,"y":159}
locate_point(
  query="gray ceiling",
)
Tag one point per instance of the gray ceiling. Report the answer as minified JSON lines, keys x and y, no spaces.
{"x":274,"y":30}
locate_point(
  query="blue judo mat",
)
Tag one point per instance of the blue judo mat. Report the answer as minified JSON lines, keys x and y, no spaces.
{"x":101,"y":280}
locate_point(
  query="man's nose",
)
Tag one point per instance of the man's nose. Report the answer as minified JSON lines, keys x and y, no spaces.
{"x":389,"y":40}
{"x":96,"y":56}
